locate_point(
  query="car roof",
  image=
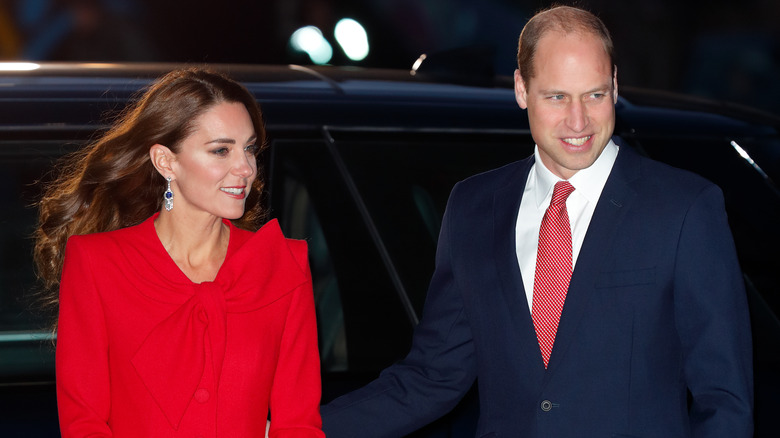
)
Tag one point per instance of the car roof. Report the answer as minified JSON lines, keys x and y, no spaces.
{"x":61,"y":95}
{"x":299,"y":95}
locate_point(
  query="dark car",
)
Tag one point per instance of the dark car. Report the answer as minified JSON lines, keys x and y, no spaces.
{"x":360,"y":164}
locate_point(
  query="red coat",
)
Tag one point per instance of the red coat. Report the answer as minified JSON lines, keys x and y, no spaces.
{"x":144,"y":352}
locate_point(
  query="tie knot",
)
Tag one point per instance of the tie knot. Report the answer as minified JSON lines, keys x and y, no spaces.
{"x":561,"y":191}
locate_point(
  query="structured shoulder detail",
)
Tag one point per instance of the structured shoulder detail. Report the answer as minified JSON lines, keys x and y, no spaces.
{"x":300,"y":251}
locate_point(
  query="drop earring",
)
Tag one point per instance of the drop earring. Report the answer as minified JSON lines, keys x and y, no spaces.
{"x":168,"y":196}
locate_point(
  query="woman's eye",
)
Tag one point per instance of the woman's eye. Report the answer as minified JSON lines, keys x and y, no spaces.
{"x":252,"y":149}
{"x":220,"y":151}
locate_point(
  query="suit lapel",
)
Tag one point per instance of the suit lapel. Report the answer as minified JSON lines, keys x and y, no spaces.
{"x":616,"y":199}
{"x":506,"y":204}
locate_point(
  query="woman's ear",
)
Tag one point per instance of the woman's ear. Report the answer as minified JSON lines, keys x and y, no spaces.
{"x":162,"y":157}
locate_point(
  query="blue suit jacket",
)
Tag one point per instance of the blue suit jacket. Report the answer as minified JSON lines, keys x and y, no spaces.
{"x":656,"y":309}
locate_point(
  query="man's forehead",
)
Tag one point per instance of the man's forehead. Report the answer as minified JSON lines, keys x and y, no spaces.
{"x":561,"y":53}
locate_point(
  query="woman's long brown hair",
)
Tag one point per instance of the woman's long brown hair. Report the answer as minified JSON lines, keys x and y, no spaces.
{"x":111,"y":183}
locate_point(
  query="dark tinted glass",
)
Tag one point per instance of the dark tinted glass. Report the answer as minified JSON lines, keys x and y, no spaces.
{"x":27,"y":399}
{"x":362,"y":325}
{"x":405,"y":180}
{"x":22,"y":165}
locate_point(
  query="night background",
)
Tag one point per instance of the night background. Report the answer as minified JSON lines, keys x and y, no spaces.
{"x":725,"y":50}
{"x":720,"y":49}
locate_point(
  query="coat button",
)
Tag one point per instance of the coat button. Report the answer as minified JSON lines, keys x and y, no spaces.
{"x":202,"y":395}
{"x":547,"y":406}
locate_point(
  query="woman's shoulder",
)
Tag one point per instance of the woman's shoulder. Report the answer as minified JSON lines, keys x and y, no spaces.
{"x":299,"y":250}
{"x":117,"y":238}
{"x":270,"y":238}
{"x":270,"y":231}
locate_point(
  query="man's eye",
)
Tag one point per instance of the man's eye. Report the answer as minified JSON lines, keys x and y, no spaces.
{"x":556,"y":97}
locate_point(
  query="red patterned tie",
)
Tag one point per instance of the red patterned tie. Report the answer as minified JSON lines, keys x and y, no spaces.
{"x":553,"y":269}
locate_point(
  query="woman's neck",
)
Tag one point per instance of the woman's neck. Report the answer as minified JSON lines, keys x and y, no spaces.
{"x":198,"y":246}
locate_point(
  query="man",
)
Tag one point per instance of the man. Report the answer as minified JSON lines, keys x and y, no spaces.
{"x":648,"y":336}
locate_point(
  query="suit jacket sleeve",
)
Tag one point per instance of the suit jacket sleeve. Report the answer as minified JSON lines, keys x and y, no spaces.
{"x":712,"y":318}
{"x":295,"y":395}
{"x":83,"y":393}
{"x":433,"y":377}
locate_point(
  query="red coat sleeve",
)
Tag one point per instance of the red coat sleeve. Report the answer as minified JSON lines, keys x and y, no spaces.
{"x":296,"y":391}
{"x":83,"y":392}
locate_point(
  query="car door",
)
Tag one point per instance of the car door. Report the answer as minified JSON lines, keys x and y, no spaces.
{"x":370,"y":203}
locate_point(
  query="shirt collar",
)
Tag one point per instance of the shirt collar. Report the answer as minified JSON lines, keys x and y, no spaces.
{"x":587,"y":182}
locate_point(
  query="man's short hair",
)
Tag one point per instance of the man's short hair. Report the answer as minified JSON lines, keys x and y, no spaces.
{"x":565,"y":19}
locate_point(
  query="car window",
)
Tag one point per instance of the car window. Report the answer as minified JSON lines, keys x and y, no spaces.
{"x":362,"y":324}
{"x":22,"y":165}
{"x":405,"y":179}
{"x":370,"y":207}
{"x":23,"y":325}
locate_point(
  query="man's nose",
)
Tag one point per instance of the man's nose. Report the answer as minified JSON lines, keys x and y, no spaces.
{"x":577,"y":118}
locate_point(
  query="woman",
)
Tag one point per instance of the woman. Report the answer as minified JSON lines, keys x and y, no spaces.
{"x":173,"y":320}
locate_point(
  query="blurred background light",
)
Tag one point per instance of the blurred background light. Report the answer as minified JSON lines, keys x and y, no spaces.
{"x":726,"y":51}
{"x":352,"y":38}
{"x":309,"y":40}
{"x":18,"y":66}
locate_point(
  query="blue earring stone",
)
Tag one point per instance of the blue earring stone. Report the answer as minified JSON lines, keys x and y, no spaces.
{"x":168,"y":196}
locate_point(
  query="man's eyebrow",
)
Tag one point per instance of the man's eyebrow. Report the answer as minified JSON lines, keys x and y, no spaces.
{"x":552,"y":91}
{"x":604,"y":87}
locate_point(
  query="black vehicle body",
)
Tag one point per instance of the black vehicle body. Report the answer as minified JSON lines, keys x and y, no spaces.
{"x":360,"y":163}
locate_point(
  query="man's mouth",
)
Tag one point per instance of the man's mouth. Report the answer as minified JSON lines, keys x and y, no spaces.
{"x":577,"y":141}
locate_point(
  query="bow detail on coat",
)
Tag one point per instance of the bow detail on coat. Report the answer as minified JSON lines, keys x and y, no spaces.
{"x":172,"y":358}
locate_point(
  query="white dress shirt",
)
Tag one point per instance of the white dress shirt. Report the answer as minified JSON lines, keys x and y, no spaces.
{"x":588,"y":184}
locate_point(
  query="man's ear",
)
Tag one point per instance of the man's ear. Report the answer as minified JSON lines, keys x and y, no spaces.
{"x":614,"y":86}
{"x":162,"y":160}
{"x":521,"y":93}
